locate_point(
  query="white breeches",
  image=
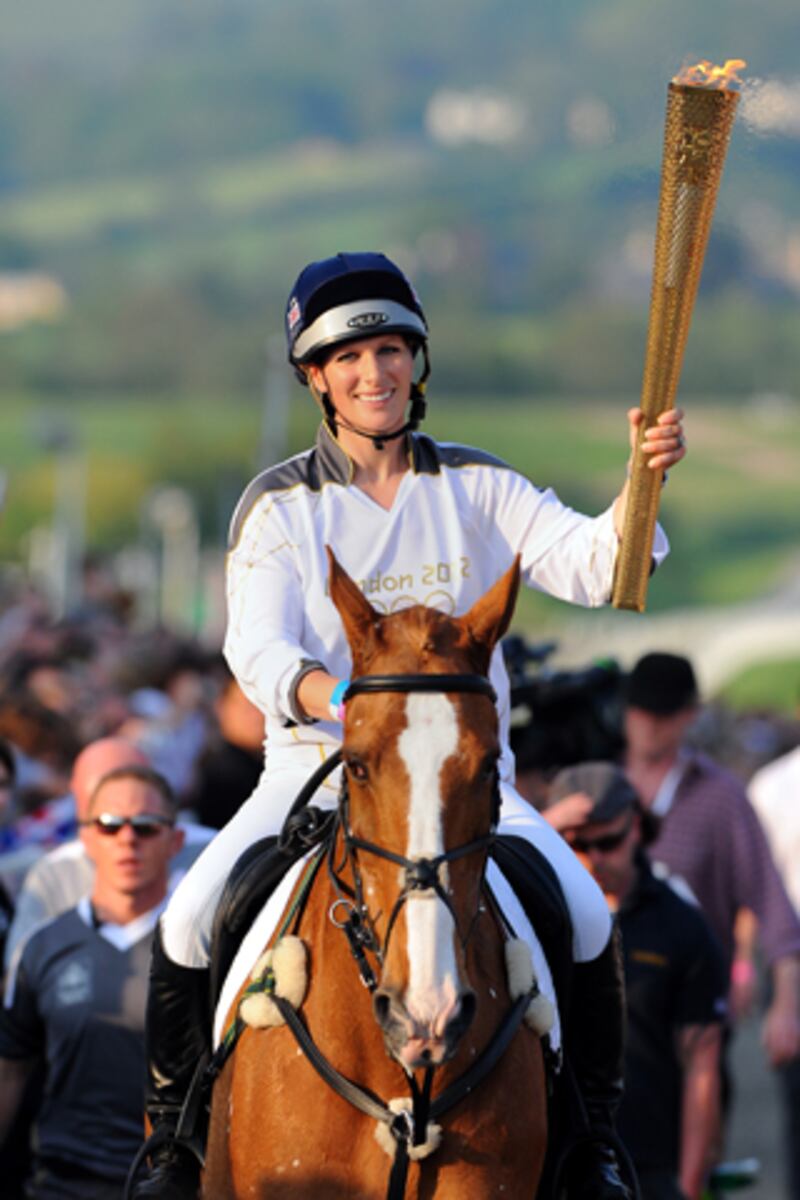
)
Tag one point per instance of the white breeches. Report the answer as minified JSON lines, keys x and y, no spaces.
{"x":187,"y":922}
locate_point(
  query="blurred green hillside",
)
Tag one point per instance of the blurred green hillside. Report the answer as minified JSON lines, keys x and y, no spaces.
{"x":171,"y":166}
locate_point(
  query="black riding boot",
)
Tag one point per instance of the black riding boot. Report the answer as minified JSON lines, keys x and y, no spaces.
{"x":595,"y":1033}
{"x":178,"y":1036}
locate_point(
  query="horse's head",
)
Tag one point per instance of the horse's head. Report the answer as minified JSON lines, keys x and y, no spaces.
{"x":422,"y":782}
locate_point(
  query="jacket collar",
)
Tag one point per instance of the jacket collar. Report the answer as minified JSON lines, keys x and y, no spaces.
{"x":334,"y":464}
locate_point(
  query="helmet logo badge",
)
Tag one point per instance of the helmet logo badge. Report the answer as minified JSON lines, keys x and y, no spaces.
{"x":293,"y":315}
{"x":368,"y":320}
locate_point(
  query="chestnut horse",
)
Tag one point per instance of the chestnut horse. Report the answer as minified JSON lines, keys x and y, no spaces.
{"x":407,"y":868}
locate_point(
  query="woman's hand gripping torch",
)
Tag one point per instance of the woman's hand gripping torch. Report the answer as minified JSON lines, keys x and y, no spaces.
{"x":700,"y":110}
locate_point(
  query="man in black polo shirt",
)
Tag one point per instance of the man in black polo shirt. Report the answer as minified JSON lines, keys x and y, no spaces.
{"x":676,"y":988}
{"x":76,"y":998}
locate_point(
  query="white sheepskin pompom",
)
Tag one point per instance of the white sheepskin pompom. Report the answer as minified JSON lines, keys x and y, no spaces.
{"x":388,"y":1144}
{"x":289,"y":963}
{"x":260,"y":1012}
{"x":519,"y":966}
{"x":540,"y":1015}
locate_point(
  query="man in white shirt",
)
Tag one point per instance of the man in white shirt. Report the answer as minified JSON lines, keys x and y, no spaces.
{"x":774,"y":792}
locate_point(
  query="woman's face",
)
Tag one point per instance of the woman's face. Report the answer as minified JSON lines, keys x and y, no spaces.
{"x":368,"y":382}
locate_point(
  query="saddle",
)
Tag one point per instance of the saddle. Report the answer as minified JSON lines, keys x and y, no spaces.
{"x":255,"y":876}
{"x":537,"y":887}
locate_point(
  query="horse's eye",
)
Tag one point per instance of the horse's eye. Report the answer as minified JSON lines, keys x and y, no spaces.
{"x":357,"y":770}
{"x":489,"y":766}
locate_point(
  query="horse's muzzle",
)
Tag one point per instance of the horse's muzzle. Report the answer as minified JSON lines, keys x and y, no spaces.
{"x":416,"y":1043}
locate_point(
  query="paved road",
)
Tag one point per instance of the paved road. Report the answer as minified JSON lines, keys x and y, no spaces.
{"x":721,"y":642}
{"x":755,"y":1125}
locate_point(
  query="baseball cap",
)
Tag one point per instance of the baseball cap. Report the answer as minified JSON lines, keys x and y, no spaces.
{"x":604,"y":783}
{"x":662,"y":684}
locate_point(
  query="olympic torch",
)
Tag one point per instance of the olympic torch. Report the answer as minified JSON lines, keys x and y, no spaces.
{"x":700,"y":109}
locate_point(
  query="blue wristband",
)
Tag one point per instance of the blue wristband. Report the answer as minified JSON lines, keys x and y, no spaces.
{"x":336,"y":702}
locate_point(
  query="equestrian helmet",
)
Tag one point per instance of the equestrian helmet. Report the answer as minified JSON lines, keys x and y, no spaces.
{"x":347,"y":297}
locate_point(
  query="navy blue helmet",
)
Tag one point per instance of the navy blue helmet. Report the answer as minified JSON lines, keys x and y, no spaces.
{"x":347,"y":297}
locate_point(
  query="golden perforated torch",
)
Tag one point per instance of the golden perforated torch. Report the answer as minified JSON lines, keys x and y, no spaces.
{"x":701,"y":104}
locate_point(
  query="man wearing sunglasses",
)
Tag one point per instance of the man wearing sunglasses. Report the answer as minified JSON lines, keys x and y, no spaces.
{"x":675,"y":984}
{"x":76,"y":997}
{"x":57,"y":881}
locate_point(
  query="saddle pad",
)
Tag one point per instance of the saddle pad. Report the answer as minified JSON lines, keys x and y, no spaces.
{"x":263,"y":928}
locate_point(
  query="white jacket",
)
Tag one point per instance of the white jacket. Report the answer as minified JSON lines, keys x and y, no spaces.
{"x":459,"y":517}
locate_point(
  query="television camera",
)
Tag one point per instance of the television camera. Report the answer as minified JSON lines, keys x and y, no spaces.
{"x":559,"y":718}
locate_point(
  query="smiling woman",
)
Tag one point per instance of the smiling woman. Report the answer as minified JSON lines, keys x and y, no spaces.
{"x":368,"y":383}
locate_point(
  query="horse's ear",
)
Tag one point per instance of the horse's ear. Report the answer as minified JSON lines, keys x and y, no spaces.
{"x":490,"y":617}
{"x":358,"y":616}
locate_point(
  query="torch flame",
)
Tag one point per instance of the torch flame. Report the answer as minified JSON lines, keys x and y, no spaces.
{"x":705,"y":74}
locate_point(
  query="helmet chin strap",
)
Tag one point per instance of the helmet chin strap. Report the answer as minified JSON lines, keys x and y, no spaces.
{"x":378,"y":440}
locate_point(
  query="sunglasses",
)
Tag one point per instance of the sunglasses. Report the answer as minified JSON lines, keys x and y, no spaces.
{"x":604,"y":845}
{"x":147,"y":825}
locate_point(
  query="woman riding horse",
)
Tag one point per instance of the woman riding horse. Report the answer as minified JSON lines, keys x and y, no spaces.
{"x":413,"y":521}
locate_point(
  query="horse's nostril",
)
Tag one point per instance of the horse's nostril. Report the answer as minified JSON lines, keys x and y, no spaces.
{"x":381,"y":1006}
{"x":467,"y":1010}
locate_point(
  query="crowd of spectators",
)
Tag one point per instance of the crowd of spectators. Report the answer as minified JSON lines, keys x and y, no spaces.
{"x":93,"y":674}
{"x":74,"y":690}
{"x":707,"y":844}
{"x":82,"y":698}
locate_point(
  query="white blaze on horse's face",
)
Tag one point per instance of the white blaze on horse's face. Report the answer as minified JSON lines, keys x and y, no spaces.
{"x":428,"y":741}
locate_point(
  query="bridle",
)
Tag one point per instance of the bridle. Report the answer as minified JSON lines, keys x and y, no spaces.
{"x":419,"y":874}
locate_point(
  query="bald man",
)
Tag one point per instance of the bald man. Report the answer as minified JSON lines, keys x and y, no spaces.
{"x":58,"y":880}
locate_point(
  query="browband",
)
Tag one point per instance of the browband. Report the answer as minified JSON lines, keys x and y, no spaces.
{"x":478,"y":684}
